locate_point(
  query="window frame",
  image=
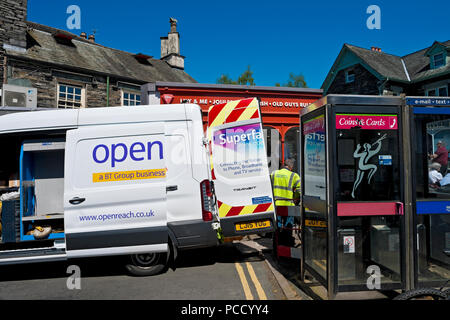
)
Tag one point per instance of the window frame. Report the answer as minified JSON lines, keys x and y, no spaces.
{"x":347,"y":78}
{"x":82,"y":95}
{"x":434,"y":60}
{"x":436,"y":91}
{"x":446,"y":90}
{"x":130,"y":92}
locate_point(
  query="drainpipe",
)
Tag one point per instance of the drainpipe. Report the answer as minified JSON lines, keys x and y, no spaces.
{"x":107,"y":91}
{"x":5,"y":70}
{"x":380,"y":92}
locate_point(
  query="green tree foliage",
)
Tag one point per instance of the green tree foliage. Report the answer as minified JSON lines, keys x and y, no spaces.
{"x":246,"y":78}
{"x":225,"y":79}
{"x":296,"y":81}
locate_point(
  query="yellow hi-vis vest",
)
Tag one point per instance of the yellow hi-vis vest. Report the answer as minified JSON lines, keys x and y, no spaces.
{"x":285,"y":183}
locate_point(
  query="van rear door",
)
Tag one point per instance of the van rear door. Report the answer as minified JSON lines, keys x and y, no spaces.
{"x":115,"y":190}
{"x":239,"y":168}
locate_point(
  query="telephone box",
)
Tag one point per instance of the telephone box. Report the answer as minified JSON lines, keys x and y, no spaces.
{"x":427,"y":121}
{"x":352,"y":170}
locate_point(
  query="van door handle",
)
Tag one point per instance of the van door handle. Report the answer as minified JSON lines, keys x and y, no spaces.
{"x":171,"y":188}
{"x":76,"y":200}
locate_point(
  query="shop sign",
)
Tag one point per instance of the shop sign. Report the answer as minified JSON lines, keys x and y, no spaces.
{"x":428,"y":101}
{"x":266,"y":103}
{"x":367,"y":121}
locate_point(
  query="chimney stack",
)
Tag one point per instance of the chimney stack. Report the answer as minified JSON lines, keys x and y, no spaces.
{"x":13,"y":30}
{"x":170,"y":47}
{"x":376,"y":49}
{"x":13,"y":26}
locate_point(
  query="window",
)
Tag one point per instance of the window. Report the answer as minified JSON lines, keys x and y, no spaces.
{"x":291,"y":145}
{"x":438,"y":60}
{"x":315,"y":189}
{"x":70,"y":96}
{"x":273,"y":147}
{"x":130,"y":98}
{"x":438,"y":92}
{"x":443,"y":92}
{"x":349,"y":76}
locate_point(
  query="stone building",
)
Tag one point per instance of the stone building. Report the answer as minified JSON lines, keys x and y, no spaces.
{"x":71,"y":71}
{"x":373,"y":72}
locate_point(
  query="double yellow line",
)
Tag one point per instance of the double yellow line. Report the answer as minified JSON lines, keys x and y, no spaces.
{"x":247,"y":291}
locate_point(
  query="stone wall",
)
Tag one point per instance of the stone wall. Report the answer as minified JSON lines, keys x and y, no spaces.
{"x":46,"y":81}
{"x":13,"y":28}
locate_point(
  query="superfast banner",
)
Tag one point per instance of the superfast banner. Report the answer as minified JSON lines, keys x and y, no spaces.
{"x":239,"y":158}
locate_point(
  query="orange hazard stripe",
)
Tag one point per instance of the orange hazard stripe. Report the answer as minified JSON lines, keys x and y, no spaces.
{"x":229,"y":211}
{"x":233,"y":111}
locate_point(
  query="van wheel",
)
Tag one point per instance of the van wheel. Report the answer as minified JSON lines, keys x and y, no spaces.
{"x":147,"y":264}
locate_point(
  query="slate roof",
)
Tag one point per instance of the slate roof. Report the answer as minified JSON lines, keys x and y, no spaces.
{"x":390,"y":66}
{"x":387,"y":65}
{"x":414,"y":67}
{"x":418,"y":64}
{"x":93,"y":57}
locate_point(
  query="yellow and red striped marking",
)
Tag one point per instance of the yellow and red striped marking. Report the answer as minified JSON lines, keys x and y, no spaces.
{"x":230,"y":211}
{"x":233,"y":111}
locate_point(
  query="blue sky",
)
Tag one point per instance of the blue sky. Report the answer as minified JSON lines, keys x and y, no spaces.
{"x":273,"y":37}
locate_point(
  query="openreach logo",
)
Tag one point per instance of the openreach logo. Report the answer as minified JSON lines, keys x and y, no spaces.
{"x":119,"y":152}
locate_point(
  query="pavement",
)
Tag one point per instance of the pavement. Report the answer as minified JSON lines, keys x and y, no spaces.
{"x":287,"y":273}
{"x":283,"y":271}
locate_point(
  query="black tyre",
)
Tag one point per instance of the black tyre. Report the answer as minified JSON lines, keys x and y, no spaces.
{"x":147,"y":264}
{"x":422,"y":294}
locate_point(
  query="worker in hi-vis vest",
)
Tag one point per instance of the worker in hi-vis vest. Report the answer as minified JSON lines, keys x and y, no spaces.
{"x":286,"y":191}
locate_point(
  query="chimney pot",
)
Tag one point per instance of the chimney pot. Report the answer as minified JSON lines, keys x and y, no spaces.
{"x":92,"y":38}
{"x":173,"y":24}
{"x":83,"y":35}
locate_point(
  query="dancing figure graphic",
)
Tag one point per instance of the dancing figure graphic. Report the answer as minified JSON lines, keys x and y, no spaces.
{"x":364,"y":156}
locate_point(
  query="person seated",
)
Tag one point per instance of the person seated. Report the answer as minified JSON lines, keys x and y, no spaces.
{"x":434,"y":176}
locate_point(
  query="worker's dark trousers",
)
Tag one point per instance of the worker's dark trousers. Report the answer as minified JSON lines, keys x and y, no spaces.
{"x":285,"y":237}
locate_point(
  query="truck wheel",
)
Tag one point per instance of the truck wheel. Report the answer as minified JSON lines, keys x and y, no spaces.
{"x":422,"y":294}
{"x":147,"y":264}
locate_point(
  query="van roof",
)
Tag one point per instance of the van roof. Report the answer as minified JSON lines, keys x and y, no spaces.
{"x":73,"y":118}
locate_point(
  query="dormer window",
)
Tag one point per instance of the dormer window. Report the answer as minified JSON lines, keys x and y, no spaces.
{"x":349,"y":76}
{"x":143,"y":58}
{"x":438,"y":60}
{"x":64,"y":39}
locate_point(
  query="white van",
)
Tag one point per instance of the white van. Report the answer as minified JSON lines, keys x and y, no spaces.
{"x":96,"y":182}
